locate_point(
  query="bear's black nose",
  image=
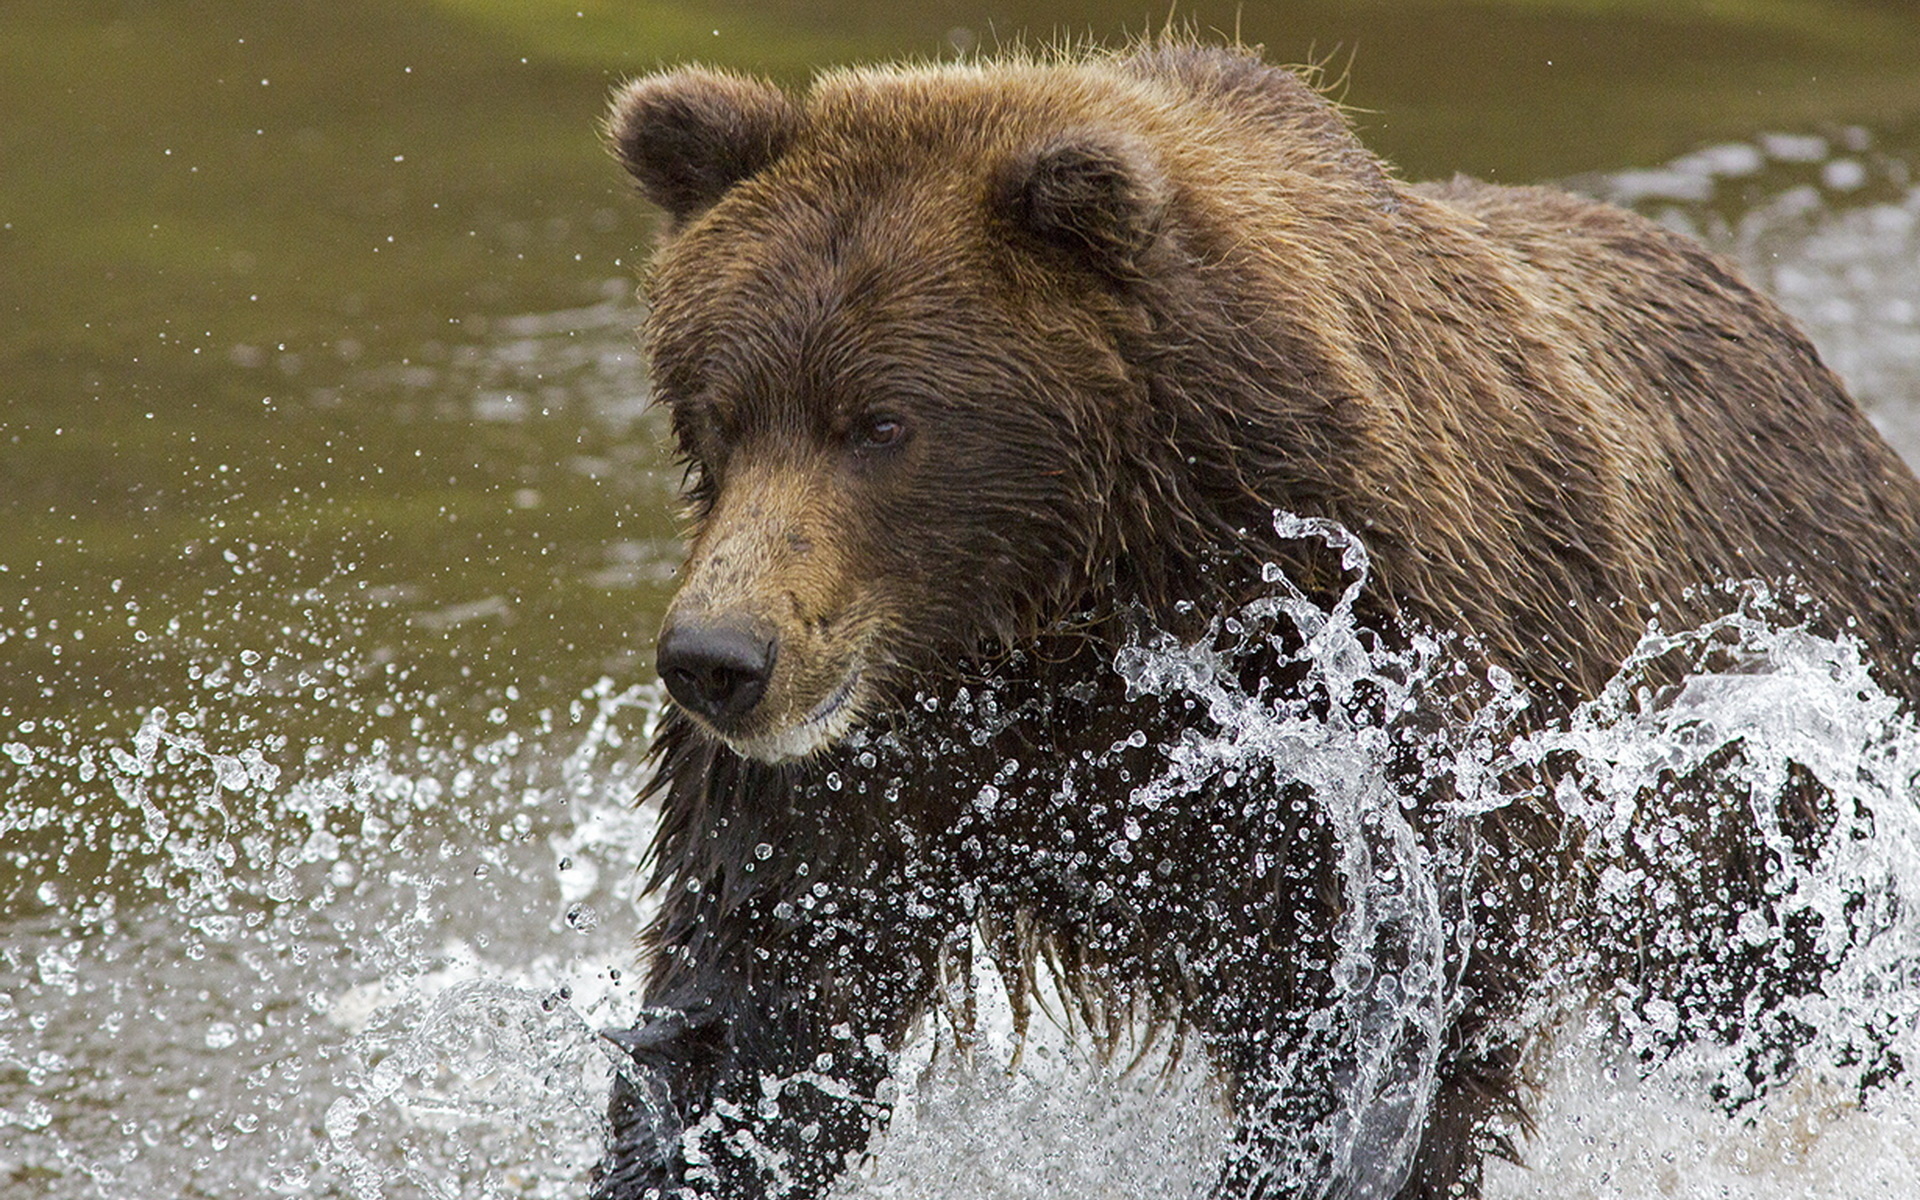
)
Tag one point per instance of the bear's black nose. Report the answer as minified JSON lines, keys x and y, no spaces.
{"x":718,"y":671}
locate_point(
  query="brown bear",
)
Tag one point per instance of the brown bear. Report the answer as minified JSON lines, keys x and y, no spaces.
{"x":989,"y":375}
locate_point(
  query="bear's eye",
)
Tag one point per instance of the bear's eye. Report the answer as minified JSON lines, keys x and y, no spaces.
{"x":704,"y":431}
{"x":879,"y":431}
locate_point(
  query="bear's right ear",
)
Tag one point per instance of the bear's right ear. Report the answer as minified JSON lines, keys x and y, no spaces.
{"x":691,"y":134}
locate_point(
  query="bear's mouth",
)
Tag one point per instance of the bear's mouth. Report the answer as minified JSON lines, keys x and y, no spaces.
{"x":837,"y":700}
{"x":825,"y":724}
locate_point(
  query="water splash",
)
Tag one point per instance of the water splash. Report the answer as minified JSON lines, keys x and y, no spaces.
{"x":241,"y":978}
{"x":1399,"y":954}
{"x":1624,"y":1114}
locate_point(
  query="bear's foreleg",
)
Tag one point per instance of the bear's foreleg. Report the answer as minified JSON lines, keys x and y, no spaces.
{"x":773,"y":1011}
{"x":742,"y":1097}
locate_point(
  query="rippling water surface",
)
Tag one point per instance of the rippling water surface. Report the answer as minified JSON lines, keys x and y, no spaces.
{"x":248,"y":953}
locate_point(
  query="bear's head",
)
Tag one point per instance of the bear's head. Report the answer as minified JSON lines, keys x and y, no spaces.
{"x":907,"y":330}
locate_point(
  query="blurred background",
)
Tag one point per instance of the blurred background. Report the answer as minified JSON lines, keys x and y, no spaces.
{"x":334,"y":529}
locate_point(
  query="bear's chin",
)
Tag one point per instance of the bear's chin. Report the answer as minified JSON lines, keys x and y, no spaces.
{"x":831,"y":719}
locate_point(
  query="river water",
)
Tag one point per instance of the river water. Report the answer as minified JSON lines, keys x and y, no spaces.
{"x":336,"y":528}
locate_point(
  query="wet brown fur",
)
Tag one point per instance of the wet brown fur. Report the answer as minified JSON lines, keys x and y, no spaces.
{"x":1127,"y":306}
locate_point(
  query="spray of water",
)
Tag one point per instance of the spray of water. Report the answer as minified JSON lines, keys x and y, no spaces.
{"x":1759,"y":704}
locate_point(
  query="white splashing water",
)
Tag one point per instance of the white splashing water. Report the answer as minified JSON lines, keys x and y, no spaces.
{"x":1608,"y":1126}
{"x":1009,"y":1122}
{"x":366,"y":982}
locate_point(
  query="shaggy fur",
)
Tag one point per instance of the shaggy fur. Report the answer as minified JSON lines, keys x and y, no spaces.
{"x":979,"y":371}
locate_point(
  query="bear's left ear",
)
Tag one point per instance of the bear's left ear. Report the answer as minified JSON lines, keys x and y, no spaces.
{"x":690,"y":135}
{"x":1096,"y":197}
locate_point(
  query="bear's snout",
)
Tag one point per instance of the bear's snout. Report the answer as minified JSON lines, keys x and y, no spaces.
{"x":719,"y":669}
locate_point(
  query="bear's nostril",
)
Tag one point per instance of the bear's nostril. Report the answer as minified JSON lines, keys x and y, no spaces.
{"x":717,"y":671}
